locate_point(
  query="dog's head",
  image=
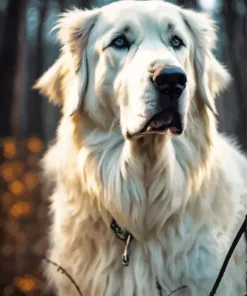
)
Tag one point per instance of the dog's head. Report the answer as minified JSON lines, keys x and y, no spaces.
{"x":137,"y":65}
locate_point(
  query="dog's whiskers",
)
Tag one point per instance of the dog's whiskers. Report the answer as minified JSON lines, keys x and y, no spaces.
{"x":193,"y":125}
{"x":115,"y":119}
{"x":195,"y":106}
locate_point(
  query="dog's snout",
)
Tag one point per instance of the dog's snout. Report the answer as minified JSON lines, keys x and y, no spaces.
{"x":170,"y":79}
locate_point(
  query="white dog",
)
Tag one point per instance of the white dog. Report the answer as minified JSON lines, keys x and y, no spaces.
{"x":138,"y":157}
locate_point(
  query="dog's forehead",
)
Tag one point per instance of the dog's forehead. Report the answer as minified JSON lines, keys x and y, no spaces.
{"x":145,"y":12}
{"x":138,"y":6}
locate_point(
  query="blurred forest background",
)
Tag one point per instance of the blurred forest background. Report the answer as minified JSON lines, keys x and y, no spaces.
{"x":28,"y":121}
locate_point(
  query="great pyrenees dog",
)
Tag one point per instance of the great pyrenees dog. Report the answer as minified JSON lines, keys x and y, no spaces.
{"x":147,"y":196}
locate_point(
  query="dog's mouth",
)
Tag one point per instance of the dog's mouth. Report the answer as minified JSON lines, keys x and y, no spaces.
{"x":161,"y":122}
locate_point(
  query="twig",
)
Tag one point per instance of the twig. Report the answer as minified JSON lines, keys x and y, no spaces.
{"x":158,"y":287}
{"x":242,"y":230}
{"x":180,"y":288}
{"x":60,"y":268}
{"x":228,"y":256}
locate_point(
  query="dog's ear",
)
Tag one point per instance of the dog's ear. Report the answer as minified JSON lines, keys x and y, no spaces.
{"x":211,"y":75}
{"x":51,"y":82}
{"x":66,"y":81}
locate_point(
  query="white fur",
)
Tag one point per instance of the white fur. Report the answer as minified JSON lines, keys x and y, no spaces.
{"x":183,"y":198}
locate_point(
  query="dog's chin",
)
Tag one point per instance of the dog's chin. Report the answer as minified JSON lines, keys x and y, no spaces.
{"x":164,"y":122}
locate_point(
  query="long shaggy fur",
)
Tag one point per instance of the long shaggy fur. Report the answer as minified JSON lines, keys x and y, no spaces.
{"x":183,"y":198}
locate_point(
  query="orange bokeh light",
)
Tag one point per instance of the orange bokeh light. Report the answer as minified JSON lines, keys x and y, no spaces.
{"x":26,"y":284}
{"x":35,"y":145}
{"x":11,"y":170}
{"x":9,"y":148}
{"x":16,"y":187}
{"x":7,"y":172}
{"x":31,"y":180}
{"x":21,"y":208}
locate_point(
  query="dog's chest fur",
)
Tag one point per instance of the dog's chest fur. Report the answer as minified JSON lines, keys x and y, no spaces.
{"x":173,"y":238}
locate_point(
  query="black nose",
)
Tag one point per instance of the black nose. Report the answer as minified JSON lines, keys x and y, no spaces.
{"x":170,"y":79}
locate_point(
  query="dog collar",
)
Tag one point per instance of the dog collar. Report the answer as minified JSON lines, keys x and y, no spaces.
{"x":126,"y":237}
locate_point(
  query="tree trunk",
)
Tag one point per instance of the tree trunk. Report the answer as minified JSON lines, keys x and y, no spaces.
{"x":62,"y":5}
{"x":19,"y":83}
{"x":8,"y":62}
{"x":35,"y":103}
{"x":234,"y":56}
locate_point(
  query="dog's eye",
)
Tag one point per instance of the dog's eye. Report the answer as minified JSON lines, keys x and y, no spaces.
{"x":120,"y":42}
{"x":176,"y":42}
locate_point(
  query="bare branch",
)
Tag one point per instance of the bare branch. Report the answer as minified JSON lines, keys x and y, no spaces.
{"x":60,"y":268}
{"x":241,"y":231}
